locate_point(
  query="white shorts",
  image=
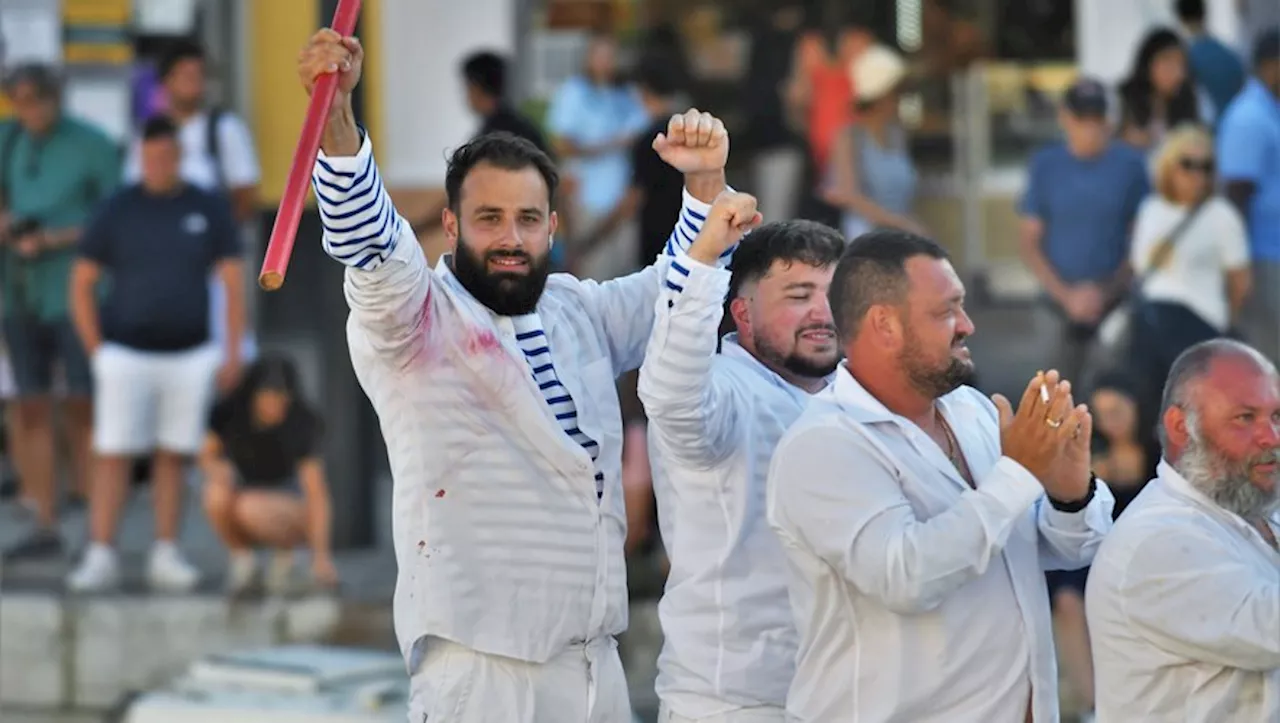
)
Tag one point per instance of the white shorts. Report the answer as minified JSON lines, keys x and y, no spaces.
{"x":760,"y":714}
{"x":7,"y":386}
{"x":144,"y":401}
{"x":584,"y":684}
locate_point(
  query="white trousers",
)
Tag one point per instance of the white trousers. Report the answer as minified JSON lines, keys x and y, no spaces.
{"x":758,"y":714}
{"x":583,"y":684}
{"x":144,"y":401}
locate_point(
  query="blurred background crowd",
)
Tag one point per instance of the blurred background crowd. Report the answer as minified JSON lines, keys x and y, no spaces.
{"x":1106,"y":174}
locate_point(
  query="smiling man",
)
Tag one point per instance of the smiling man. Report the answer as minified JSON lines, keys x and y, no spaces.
{"x":918,"y":518}
{"x":494,"y":383}
{"x":714,"y":419}
{"x":1184,"y":596}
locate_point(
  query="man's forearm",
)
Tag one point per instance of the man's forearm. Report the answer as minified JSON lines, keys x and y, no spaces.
{"x":84,"y":315}
{"x":705,"y":186}
{"x":233,"y":284}
{"x":61,"y":238}
{"x":341,"y":134}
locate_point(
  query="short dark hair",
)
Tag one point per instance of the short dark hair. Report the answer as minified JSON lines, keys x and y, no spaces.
{"x":1267,"y":47}
{"x":44,"y":79}
{"x":806,"y":242}
{"x":873,"y":270}
{"x":160,"y":127}
{"x":655,"y":74}
{"x":487,"y":71}
{"x":1191,"y":366}
{"x":1190,"y":11}
{"x":185,"y":49}
{"x":502,"y":150}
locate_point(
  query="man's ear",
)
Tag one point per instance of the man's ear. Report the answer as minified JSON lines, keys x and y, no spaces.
{"x":741,"y":313}
{"x":884,"y":322}
{"x":449,"y":220}
{"x":1175,"y":427}
{"x":553,"y":223}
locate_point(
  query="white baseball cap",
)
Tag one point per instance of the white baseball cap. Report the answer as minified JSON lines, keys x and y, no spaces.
{"x":876,"y":71}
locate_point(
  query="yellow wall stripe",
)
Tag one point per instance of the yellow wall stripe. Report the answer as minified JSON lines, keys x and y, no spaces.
{"x":373,"y":82}
{"x":278,"y":29}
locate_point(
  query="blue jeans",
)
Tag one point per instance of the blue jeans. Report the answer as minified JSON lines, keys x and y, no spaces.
{"x":37,"y":346}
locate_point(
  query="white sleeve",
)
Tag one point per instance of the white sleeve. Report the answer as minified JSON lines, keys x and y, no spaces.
{"x":239,"y":160}
{"x":1233,"y":238}
{"x":1144,"y":236}
{"x":133,"y":162}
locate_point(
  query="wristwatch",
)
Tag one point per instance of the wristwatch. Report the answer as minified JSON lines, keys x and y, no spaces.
{"x":1079,"y":504}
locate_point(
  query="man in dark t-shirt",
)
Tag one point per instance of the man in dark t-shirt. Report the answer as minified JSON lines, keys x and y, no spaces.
{"x":485,"y":75}
{"x":155,"y":244}
{"x":655,"y":194}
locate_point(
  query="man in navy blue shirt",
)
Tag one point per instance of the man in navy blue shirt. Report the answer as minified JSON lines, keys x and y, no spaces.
{"x":1081,"y":199}
{"x":156,"y":244}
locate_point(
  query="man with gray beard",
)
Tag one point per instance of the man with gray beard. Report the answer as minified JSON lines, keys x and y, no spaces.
{"x":1183,"y":600}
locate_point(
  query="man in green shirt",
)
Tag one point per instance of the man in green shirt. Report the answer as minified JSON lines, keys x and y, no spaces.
{"x":53,"y":172}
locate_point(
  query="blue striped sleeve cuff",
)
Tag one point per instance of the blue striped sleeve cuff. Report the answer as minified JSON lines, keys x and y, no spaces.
{"x":694,"y":280}
{"x":360,"y":222}
{"x":693,"y":214}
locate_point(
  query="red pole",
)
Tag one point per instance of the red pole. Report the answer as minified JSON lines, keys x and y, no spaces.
{"x":285,"y":231}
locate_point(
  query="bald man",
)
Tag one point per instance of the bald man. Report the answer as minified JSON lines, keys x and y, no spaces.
{"x":1183,"y":599}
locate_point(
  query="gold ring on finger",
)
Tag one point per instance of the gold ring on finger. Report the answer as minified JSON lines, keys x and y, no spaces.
{"x":1053,"y":423}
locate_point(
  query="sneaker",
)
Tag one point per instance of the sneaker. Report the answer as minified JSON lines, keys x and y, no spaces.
{"x":279,"y":579}
{"x":242,"y":570}
{"x":98,"y":571}
{"x":169,"y":571}
{"x":41,"y":544}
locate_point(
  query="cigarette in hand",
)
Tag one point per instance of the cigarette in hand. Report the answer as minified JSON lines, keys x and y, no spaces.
{"x":1044,"y":393}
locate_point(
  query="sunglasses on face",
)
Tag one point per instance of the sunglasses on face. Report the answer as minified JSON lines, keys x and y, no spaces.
{"x":1197,"y":165}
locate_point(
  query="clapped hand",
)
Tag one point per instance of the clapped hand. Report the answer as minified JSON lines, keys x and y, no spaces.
{"x":1045,"y":431}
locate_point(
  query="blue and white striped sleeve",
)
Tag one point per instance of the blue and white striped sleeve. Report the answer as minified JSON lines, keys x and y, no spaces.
{"x":387,"y":279}
{"x":693,"y":214}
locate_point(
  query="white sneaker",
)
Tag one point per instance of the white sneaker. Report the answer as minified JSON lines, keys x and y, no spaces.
{"x":98,"y":571}
{"x":168,"y":570}
{"x":242,"y":568}
{"x":279,"y":578}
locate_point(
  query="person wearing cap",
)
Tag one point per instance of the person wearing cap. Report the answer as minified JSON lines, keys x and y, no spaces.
{"x":1078,"y":209}
{"x":264,"y":478}
{"x":1249,"y":166}
{"x":873,"y":180}
{"x":54,"y":169}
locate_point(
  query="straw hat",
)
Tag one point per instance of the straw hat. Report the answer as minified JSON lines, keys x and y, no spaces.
{"x":876,"y":71}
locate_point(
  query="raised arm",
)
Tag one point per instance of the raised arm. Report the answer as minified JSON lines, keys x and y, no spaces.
{"x":697,"y":145}
{"x":387,"y":282}
{"x":690,"y":414}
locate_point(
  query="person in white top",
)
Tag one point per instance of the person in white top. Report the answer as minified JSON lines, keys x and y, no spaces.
{"x":1191,"y":253}
{"x":495,"y":386}
{"x":217,"y":155}
{"x":729,"y":640}
{"x":918,"y":518}
{"x":1184,"y":595}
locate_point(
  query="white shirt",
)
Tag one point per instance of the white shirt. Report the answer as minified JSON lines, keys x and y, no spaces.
{"x":239,"y":166}
{"x":1213,"y":244}
{"x":917,"y":598}
{"x":1184,"y":612}
{"x":501,"y":542}
{"x":729,"y":639}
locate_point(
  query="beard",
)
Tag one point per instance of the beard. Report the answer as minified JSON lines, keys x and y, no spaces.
{"x":932,"y":379}
{"x":802,"y":366}
{"x":502,"y":292}
{"x":1228,"y":482}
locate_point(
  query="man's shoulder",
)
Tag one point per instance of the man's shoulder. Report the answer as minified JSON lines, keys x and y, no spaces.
{"x":86,"y":133}
{"x":822,"y":416}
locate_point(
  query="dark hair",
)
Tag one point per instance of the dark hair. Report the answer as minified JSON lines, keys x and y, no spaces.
{"x":1192,"y":365}
{"x":657,"y":75}
{"x":179,"y":51}
{"x":501,"y":150}
{"x":1190,"y":11}
{"x":873,"y":270}
{"x":159,"y":127}
{"x":806,"y":242}
{"x":1136,"y":91}
{"x":487,"y":71}
{"x":45,"y":79}
{"x":1267,"y":47}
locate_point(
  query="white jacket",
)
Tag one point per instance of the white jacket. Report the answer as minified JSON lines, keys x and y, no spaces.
{"x":501,"y":543}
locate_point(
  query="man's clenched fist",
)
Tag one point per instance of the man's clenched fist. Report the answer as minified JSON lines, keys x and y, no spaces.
{"x":694,"y":143}
{"x":732,"y":216}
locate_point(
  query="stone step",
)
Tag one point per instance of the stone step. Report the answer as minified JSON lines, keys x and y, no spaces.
{"x":64,"y":652}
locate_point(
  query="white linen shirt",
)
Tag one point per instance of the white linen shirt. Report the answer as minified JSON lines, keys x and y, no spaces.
{"x":501,"y":542}
{"x":714,"y":420}
{"x":919,"y":599}
{"x":1183,"y":605}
